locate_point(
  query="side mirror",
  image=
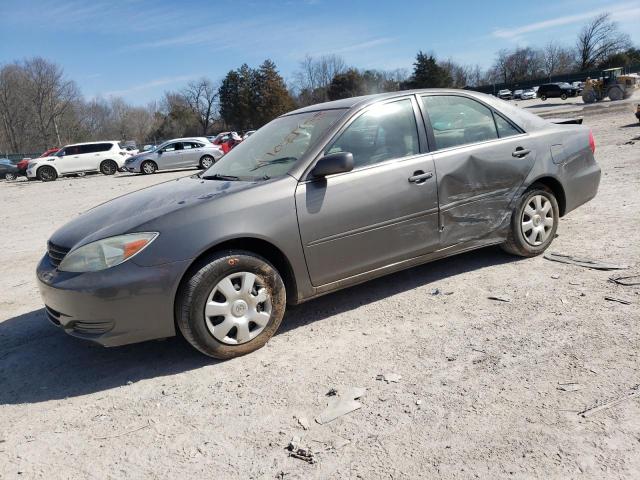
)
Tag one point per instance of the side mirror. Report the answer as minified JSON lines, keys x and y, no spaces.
{"x":333,"y":163}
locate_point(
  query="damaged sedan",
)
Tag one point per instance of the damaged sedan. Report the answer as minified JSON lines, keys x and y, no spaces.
{"x":321,"y":198}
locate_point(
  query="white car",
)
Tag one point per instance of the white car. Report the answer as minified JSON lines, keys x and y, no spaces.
{"x":528,"y":94}
{"x":105,"y":157}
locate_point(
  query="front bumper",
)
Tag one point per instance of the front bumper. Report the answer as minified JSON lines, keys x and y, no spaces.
{"x":121,"y":305}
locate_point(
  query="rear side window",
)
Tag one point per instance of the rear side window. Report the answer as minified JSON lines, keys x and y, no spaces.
{"x":383,"y":132}
{"x":459,"y":120}
{"x":505,"y":129}
{"x":103,"y":147}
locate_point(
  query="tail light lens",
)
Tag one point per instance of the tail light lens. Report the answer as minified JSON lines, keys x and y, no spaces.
{"x":592,"y":142}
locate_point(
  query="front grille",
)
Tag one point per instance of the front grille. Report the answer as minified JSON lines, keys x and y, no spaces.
{"x":56,"y":253}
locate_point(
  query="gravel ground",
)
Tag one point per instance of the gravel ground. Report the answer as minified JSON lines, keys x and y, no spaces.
{"x":480,"y":392}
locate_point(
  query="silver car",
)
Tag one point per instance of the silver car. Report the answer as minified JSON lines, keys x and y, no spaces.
{"x":317,"y":200}
{"x":176,"y":153}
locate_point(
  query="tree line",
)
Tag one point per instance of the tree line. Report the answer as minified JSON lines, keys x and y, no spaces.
{"x":40,"y":107}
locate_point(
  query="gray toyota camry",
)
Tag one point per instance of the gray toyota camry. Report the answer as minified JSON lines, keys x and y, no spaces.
{"x":319,"y":199}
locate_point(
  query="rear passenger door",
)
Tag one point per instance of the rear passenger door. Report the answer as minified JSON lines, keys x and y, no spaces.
{"x":191,"y":154}
{"x":481,"y":161}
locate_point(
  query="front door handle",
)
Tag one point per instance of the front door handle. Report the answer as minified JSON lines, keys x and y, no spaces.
{"x":420,"y":177}
{"x":520,"y":152}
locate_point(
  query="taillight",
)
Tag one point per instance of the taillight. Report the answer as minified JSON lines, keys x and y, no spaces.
{"x":592,"y":142}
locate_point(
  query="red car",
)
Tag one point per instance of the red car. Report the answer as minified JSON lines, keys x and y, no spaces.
{"x":24,"y":163}
{"x":227,"y":140}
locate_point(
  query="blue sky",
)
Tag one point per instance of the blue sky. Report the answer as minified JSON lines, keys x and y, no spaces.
{"x":137,"y":49}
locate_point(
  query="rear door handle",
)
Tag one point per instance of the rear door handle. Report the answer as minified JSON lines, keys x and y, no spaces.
{"x":520,"y":152}
{"x":420,"y":177}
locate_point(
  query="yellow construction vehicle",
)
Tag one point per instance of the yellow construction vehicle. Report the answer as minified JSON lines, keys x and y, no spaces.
{"x":613,"y":84}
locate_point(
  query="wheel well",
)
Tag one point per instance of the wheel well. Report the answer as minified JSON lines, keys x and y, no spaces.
{"x":558,"y":191}
{"x":260,"y":247}
{"x":47,"y":166}
{"x":149,"y":161}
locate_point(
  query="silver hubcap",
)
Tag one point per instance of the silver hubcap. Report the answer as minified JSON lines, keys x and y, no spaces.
{"x":206,"y":162}
{"x":238,"y":308}
{"x":537,"y":220}
{"x":148,"y":168}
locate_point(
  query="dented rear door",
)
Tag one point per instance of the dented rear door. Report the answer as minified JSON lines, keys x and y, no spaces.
{"x":481,"y":160}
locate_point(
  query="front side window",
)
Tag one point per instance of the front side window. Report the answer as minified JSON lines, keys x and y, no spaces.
{"x":383,"y":132}
{"x":169,"y":148}
{"x":457,"y":120}
{"x":274,"y":149}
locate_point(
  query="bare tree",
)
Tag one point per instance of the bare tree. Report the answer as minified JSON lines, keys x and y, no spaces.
{"x":14,"y":117}
{"x":202,"y":98}
{"x":599,"y":39}
{"x":50,"y":95}
{"x":556,"y":59}
{"x":314,"y":76}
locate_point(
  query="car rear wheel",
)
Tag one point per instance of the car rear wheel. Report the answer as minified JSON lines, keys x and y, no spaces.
{"x":563,"y":96}
{"x":231,"y":304}
{"x":543,"y":97}
{"x":589,"y":96}
{"x":108,"y":167}
{"x":534,"y":222}
{"x":148,"y":167}
{"x":46,"y":174}
{"x":206,"y":161}
{"x":10,"y":176}
{"x":615,"y":94}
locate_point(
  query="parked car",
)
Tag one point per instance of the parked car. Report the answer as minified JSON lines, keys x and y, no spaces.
{"x":176,"y":153}
{"x":231,"y":142}
{"x":518,"y":93}
{"x":319,"y":199}
{"x":24,"y":163}
{"x":579,"y":86}
{"x":79,"y":158}
{"x":8,"y":170}
{"x":556,"y":90}
{"x":528,"y":94}
{"x":222,"y":137}
{"x":505,"y":94}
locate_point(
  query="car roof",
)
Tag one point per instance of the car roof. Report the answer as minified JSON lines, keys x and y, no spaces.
{"x":88,"y":143}
{"x":358,"y":102}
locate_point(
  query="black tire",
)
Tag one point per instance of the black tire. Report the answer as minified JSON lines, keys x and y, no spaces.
{"x":589,"y":96}
{"x":563,"y":96}
{"x":516,"y":243}
{"x":206,"y":161}
{"x":9,"y":176}
{"x":615,"y":94}
{"x":108,"y":167}
{"x":148,"y":167}
{"x":543,"y":97}
{"x":195,"y":289}
{"x":46,"y":174}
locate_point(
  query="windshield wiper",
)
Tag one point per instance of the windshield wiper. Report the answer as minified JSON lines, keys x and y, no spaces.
{"x":217,"y":176}
{"x":271,"y":162}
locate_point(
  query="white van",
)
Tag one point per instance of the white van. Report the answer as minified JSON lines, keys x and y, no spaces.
{"x":105,"y":157}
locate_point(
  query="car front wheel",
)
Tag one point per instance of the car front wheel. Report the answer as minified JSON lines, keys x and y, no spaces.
{"x":534,"y":222}
{"x":46,"y":174}
{"x":10,"y":176}
{"x":231,"y":304}
{"x":543,"y":97}
{"x":563,"y":96}
{"x":148,"y":167}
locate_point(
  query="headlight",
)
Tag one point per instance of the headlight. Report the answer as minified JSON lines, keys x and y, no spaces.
{"x":106,"y":253}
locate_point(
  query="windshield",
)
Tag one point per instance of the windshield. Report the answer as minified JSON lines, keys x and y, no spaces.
{"x":272,"y":150}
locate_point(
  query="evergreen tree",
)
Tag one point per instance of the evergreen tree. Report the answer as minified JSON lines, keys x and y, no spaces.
{"x":428,"y":74}
{"x":272,"y":98}
{"x":348,"y":84}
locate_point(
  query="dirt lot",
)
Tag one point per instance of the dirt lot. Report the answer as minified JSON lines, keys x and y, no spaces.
{"x":479,"y":394}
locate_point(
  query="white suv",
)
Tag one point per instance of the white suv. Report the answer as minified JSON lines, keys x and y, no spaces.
{"x":105,"y":157}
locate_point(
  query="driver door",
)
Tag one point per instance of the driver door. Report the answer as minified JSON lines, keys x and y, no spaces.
{"x":383,"y":211}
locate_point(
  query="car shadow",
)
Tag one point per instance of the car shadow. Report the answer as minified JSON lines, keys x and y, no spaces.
{"x":632,"y":125}
{"x":383,"y":287}
{"x":38,"y":362}
{"x":543,"y":105}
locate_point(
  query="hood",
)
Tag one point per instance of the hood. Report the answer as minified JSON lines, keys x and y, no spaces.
{"x":131,"y":212}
